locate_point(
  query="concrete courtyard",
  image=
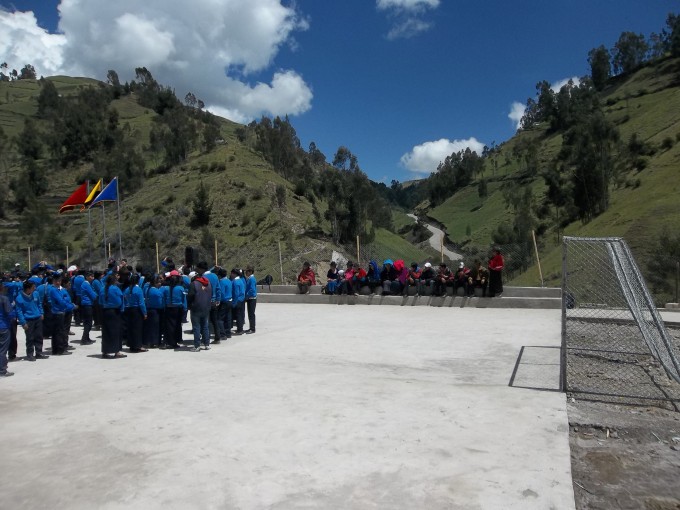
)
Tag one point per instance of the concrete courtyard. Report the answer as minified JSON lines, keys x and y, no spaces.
{"x":325,"y":407}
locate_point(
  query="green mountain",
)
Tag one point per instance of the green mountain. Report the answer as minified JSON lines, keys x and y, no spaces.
{"x":267,"y":204}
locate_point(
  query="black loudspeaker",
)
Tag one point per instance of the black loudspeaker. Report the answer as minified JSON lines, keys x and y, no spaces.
{"x":189,"y":256}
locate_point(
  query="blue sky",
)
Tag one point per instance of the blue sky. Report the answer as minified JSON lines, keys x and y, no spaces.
{"x":401,"y":83}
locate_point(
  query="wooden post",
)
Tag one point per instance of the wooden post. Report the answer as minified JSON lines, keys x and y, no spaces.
{"x":29,"y":258}
{"x":158,"y":261}
{"x":441,"y":247}
{"x":281,"y":264}
{"x":538,"y":260}
{"x":215,"y":252}
{"x":358,"y":251}
{"x":67,"y":264}
{"x":110,"y":251}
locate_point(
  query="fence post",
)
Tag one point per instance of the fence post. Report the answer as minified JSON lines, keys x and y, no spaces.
{"x":67,"y":264}
{"x":358,"y":257}
{"x":281,"y":264}
{"x":677,"y":279}
{"x":215,"y":252}
{"x":441,"y":247}
{"x":29,"y":257}
{"x":538,"y":260}
{"x":158,"y":261}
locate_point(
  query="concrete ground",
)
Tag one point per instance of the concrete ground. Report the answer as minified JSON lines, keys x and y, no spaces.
{"x":324,"y":407}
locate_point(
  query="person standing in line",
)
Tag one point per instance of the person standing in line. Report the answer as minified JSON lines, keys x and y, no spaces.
{"x":113,"y":307}
{"x":212,"y":277}
{"x":238,"y":299}
{"x":67,"y":292}
{"x":135,"y":314}
{"x":77,"y":280}
{"x":496,"y":273}
{"x":5,"y":313}
{"x":97,"y":286}
{"x":88,"y":297}
{"x":43,"y":292}
{"x":60,"y":307}
{"x":13,"y":288}
{"x":225,"y":305}
{"x":199,"y":302}
{"x":251,"y":298}
{"x":154,"y":307}
{"x":175,"y":306}
{"x":30,"y":316}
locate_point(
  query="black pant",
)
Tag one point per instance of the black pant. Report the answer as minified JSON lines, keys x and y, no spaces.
{"x":77,"y":312}
{"x":34,"y":337}
{"x":239,"y":315}
{"x":226,"y":318}
{"x":215,"y":320}
{"x":13,"y":344}
{"x":59,"y":338}
{"x":97,"y":315}
{"x":251,"y":303}
{"x":86,"y":315}
{"x":173,"y":329}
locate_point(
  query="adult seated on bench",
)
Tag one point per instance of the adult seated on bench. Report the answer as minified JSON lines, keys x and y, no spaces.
{"x":306,"y":278}
{"x":444,"y":279}
{"x":427,"y":279}
{"x":373,"y":276}
{"x":413,"y":278}
{"x":389,"y":277}
{"x":333,"y":280}
{"x":480,"y":277}
{"x":461,"y":280}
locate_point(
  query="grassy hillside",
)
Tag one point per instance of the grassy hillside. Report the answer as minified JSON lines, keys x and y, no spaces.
{"x":246,"y":223}
{"x":642,"y":203}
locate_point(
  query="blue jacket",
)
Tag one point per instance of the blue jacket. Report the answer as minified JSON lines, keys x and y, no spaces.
{"x":251,"y":287}
{"x":176,"y":297}
{"x":88,"y":297}
{"x":28,"y":307}
{"x":238,"y":291}
{"x":60,"y":302}
{"x":154,"y":298}
{"x":77,"y":284}
{"x":5,"y":313}
{"x":226,"y":289}
{"x":43,"y":292}
{"x":97,"y":287}
{"x":36,"y":279}
{"x":134,"y":298}
{"x":112,"y":298}
{"x":215,"y":283}
{"x":13,"y":290}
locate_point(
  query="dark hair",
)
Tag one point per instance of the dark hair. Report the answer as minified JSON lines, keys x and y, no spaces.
{"x":28,"y":284}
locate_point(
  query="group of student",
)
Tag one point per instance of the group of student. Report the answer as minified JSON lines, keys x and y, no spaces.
{"x":130,"y":307}
{"x":395,"y":278}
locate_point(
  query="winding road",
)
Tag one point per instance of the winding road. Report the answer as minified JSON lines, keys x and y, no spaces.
{"x":436,"y":239}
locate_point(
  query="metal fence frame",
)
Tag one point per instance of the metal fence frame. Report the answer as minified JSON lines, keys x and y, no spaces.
{"x":615,"y":345}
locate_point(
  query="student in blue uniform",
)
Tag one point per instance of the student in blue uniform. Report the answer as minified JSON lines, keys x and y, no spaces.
{"x":225,"y":305}
{"x":30,"y":316}
{"x":5,"y":312}
{"x":60,"y":306}
{"x":214,"y":317}
{"x":135,"y":314}
{"x":88,"y":297}
{"x":251,"y":298}
{"x":113,"y":307}
{"x":175,"y":306}
{"x":238,"y":299}
{"x":154,"y":309}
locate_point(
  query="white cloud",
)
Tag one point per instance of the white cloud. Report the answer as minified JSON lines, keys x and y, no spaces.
{"x":407,"y":4}
{"x":516,"y":113}
{"x":555,"y":87}
{"x":425,"y":158}
{"x":208,"y":47}
{"x":24,"y":42}
{"x":407,"y":29}
{"x":406,"y":16}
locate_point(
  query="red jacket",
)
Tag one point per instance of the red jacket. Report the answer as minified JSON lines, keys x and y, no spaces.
{"x":496,"y":263}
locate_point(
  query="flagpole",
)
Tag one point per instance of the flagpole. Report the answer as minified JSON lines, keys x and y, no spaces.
{"x":120,"y":242}
{"x":89,"y":232}
{"x":104,"y":231}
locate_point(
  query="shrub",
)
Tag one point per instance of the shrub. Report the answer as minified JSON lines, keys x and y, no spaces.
{"x":667,"y":143}
{"x":241,"y":202}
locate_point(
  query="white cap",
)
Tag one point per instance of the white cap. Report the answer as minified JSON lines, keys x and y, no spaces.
{"x":427,"y":264}
{"x":72,"y":268}
{"x":461,"y":265}
{"x":17,"y":264}
{"x":167,"y":275}
{"x":192,"y":274}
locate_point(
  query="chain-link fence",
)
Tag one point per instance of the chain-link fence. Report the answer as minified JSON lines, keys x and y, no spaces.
{"x":616,"y":346}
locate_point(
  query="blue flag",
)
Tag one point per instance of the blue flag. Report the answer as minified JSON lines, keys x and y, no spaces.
{"x":108,"y":194}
